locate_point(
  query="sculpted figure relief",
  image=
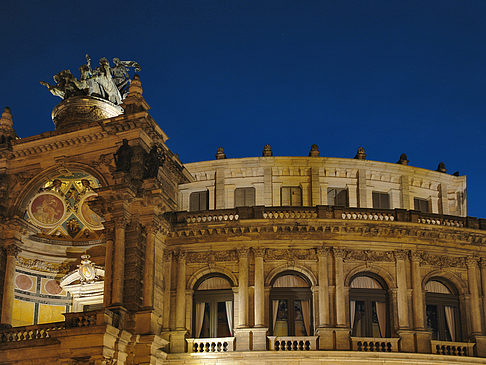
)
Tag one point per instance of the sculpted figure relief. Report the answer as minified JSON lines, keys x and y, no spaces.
{"x":109,"y":83}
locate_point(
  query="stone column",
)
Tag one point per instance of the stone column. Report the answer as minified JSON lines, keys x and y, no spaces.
{"x":259,"y":288}
{"x":181,"y":292}
{"x":167,"y":275}
{"x":148,"y":272}
{"x":243,"y":288}
{"x":322,"y":254}
{"x":340,"y":299}
{"x":418,"y":297}
{"x":242,"y":332}
{"x":119,"y":262}
{"x":342,"y":333}
{"x":405,"y":192}
{"x":407,"y":342}
{"x":362,"y":189}
{"x":472,"y":277}
{"x":108,"y":268}
{"x":8,"y":284}
{"x":259,"y":330}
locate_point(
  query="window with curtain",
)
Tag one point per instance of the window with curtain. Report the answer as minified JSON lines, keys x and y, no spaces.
{"x":213,"y":307}
{"x":291,"y":196}
{"x":291,"y":305}
{"x":245,"y":197}
{"x":368,"y":306}
{"x":442,"y":311}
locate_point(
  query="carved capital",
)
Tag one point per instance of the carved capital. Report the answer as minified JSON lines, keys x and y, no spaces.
{"x":323,"y":251}
{"x":181,"y":256}
{"x":472,"y":261}
{"x":339,"y":252}
{"x":121,"y":222}
{"x":258,"y":252}
{"x":242,"y":253}
{"x":482,"y":262}
{"x":416,"y":256}
{"x":400,"y":254}
{"x":12,"y":250}
{"x":167,"y":256}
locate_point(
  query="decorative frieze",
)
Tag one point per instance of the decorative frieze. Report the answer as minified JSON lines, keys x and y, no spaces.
{"x":290,"y":254}
{"x":211,"y":256}
{"x":442,"y":260}
{"x":44,"y":266}
{"x":368,"y":255}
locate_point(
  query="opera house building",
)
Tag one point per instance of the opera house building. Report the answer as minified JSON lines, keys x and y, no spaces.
{"x":115,"y":252}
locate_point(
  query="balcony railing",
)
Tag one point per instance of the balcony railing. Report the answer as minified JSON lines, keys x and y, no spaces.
{"x":44,"y":331}
{"x":371,"y":344}
{"x":452,"y":348}
{"x":222,"y":344}
{"x":322,"y":212}
{"x":292,"y":343}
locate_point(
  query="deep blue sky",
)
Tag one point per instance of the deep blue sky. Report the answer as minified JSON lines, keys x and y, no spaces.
{"x":392,"y":76}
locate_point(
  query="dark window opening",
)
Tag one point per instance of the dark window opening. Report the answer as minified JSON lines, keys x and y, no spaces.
{"x":422,"y":205}
{"x":291,"y":196}
{"x":381,"y":200}
{"x":245,"y":197}
{"x":199,"y":200}
{"x":337,"y":197}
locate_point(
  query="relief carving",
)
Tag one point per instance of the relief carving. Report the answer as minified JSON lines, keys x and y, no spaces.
{"x":368,"y":255}
{"x":44,"y":266}
{"x":290,"y":254}
{"x":212,"y":256}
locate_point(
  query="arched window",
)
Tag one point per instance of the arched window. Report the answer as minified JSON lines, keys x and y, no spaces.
{"x":291,"y":305}
{"x":442,"y":310}
{"x":368,"y":306}
{"x":213,"y":307}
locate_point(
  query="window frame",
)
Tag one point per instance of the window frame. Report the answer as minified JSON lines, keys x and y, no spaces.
{"x":246,"y":190}
{"x":368,"y":296}
{"x":442,"y":300}
{"x":290,"y":195}
{"x":380,"y":195}
{"x":291,"y":295}
{"x":199,"y":192}
{"x":212,"y":297}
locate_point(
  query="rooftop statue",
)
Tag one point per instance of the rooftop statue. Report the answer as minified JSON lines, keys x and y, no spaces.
{"x":105,"y":81}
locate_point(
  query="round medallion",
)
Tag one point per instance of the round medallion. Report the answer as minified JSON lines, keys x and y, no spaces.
{"x":52,"y":287}
{"x":23,"y":282}
{"x":47,"y":209}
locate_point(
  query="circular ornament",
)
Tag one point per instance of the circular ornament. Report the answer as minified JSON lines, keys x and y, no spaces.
{"x":46,"y":209}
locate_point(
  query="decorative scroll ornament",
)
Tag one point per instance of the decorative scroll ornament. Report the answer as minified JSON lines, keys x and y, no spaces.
{"x":87,"y":270}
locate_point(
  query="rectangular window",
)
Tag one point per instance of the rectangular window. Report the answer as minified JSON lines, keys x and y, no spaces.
{"x":199,"y":200}
{"x":381,"y":200}
{"x":291,"y":196}
{"x":337,"y":197}
{"x":422,"y":205}
{"x":244,"y":197}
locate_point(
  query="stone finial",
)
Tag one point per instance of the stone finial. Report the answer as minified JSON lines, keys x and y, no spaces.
{"x":220,"y":155}
{"x":135,"y":102}
{"x":6,"y":122}
{"x":314,"y":151}
{"x":360,"y":155}
{"x":403,"y":159}
{"x":456,"y":173}
{"x":441,"y":167}
{"x":267,"y":151}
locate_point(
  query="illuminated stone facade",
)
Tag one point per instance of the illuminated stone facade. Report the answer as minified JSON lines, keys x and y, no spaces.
{"x":114,"y":252}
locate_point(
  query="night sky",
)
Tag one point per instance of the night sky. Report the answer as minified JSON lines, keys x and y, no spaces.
{"x":391,"y":76}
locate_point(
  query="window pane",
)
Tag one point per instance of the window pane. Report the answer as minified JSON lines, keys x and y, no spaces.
{"x":359,"y":319}
{"x":381,"y":200}
{"x":331,"y":196}
{"x":203,"y":200}
{"x":432,"y":321}
{"x":194,"y":202}
{"x":342,"y":198}
{"x":375,"y":326}
{"x":422,"y":205}
{"x":282,"y":321}
{"x":206,"y":326}
{"x":250,"y":197}
{"x":296,"y":198}
{"x":299,"y":319}
{"x":285,"y":192}
{"x":222,"y":321}
{"x":244,"y":197}
{"x":239,"y":197}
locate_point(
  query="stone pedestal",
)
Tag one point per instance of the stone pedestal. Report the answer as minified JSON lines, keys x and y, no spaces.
{"x":149,"y":350}
{"x":480,"y":348}
{"x":407,"y":341}
{"x":147,"y":322}
{"x":259,"y":337}
{"x":342,"y":338}
{"x":422,"y":341}
{"x":326,"y":338}
{"x":243,"y":339}
{"x":177,"y":340}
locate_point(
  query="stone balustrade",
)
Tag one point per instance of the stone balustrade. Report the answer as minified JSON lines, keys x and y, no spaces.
{"x":292,"y":343}
{"x":222,"y":344}
{"x":452,"y":348}
{"x":323,"y":212}
{"x":29,"y":333}
{"x":371,"y":344}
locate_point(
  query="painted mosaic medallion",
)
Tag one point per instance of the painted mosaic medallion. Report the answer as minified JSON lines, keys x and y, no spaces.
{"x":47,"y":209}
